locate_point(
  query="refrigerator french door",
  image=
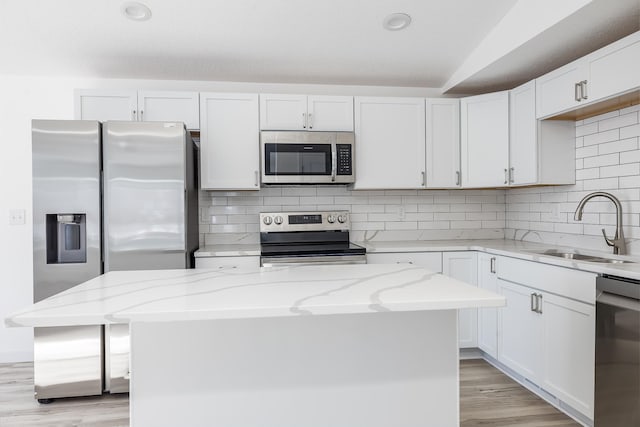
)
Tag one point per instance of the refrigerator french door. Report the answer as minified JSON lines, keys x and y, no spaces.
{"x":118,"y":196}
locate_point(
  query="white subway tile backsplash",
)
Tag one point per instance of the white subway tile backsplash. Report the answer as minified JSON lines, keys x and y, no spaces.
{"x":630,"y":156}
{"x":604,"y":160}
{"x":586,"y":129}
{"x":600,"y":137}
{"x":630,"y":131}
{"x":620,"y":170}
{"x":618,"y":122}
{"x":618,"y":146}
{"x":590,"y":173}
{"x":601,"y":184}
{"x":601,"y":117}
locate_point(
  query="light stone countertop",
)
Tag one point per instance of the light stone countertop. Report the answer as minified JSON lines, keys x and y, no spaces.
{"x":174,"y":295}
{"x":515,"y":249}
{"x":510,"y":248}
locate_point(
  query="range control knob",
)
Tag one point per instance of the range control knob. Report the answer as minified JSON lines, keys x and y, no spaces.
{"x":267,"y":220}
{"x":331,"y":219}
{"x":342,"y":219}
{"x":278,"y":220}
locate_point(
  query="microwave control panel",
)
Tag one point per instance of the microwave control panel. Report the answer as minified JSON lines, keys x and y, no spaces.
{"x":344,"y":159}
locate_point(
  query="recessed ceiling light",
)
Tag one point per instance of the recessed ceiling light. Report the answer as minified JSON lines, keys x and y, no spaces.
{"x":136,"y":11}
{"x":396,"y":21}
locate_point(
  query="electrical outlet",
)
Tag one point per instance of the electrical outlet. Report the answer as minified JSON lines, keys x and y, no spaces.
{"x":16,"y":216}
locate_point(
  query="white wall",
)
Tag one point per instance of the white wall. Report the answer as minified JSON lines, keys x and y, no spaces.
{"x":23,"y":98}
{"x":607,"y":159}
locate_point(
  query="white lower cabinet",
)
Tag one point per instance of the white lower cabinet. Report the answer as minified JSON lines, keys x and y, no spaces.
{"x":464,"y":267}
{"x":430,"y":260}
{"x":488,"y":317}
{"x":228,"y":262}
{"x":548,"y":338}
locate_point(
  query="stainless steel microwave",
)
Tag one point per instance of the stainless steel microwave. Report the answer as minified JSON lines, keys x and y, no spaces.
{"x":293,"y":157}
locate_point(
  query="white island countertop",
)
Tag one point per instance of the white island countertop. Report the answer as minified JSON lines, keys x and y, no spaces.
{"x":172,"y":295}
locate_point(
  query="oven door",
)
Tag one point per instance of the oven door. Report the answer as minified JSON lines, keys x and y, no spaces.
{"x":298,"y":162}
{"x":312,"y":260}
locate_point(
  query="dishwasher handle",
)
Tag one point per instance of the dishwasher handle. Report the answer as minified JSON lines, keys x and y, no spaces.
{"x":614,"y":300}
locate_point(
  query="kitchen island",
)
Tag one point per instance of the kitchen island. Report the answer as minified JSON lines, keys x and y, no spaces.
{"x":345,"y":345}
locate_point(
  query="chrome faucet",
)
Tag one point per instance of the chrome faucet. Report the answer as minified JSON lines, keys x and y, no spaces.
{"x":618,"y":243}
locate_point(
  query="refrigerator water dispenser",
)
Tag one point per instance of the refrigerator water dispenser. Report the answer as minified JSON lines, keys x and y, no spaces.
{"x":66,"y":238}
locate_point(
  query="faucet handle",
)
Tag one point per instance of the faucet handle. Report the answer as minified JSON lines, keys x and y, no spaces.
{"x":608,"y":240}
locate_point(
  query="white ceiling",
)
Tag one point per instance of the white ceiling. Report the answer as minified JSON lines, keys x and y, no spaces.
{"x":294,"y":41}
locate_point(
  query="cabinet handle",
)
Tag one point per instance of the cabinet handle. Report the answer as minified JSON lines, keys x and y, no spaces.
{"x":511,"y":174}
{"x":310,"y":116}
{"x":577,"y":92}
{"x":506,"y":176}
{"x":424,"y":178}
{"x":133,"y":115}
{"x":257,"y":180}
{"x":457,"y":177}
{"x":304,"y":121}
{"x":539,"y":303}
{"x":583,"y":89}
{"x":492,"y":265}
{"x":534,"y":302}
{"x":142,"y":115}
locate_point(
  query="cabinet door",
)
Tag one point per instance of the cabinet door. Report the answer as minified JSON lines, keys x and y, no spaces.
{"x":614,"y":69}
{"x":556,"y":91}
{"x":169,"y":107}
{"x":430,"y":260}
{"x":523,"y":141}
{"x":568,"y":359}
{"x":443,"y":143}
{"x":520,"y":329}
{"x":464,"y":267}
{"x":390,"y":143}
{"x":485,"y":140}
{"x":103,"y":105}
{"x":488,"y":317}
{"x":330,"y":113}
{"x":283,"y":112}
{"x":229,"y":141}
{"x":228,"y":262}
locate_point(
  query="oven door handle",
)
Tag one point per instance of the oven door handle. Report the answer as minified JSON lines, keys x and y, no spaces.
{"x":619,"y":301}
{"x":312,"y":260}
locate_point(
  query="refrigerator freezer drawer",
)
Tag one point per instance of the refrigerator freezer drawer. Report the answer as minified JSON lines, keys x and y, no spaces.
{"x":67,"y":361}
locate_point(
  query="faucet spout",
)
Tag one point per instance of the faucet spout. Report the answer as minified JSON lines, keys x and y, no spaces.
{"x":618,"y":243}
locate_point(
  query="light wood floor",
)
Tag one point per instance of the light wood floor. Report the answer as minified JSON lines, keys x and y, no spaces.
{"x":488,"y":398}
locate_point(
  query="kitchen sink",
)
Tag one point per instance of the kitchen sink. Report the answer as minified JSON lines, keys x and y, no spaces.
{"x":583,"y":257}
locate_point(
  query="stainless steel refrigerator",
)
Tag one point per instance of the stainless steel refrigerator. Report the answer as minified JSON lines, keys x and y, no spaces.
{"x":112,"y":196}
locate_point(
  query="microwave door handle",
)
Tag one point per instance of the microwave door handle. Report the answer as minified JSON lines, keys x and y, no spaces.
{"x":334,"y":160}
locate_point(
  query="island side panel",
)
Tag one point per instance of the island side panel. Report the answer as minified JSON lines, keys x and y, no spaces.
{"x":379,"y":369}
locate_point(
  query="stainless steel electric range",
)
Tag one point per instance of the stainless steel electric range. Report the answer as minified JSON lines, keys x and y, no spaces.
{"x":294,"y":238}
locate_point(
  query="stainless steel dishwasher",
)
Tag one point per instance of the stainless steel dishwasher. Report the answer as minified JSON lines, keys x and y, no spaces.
{"x":617,"y":370}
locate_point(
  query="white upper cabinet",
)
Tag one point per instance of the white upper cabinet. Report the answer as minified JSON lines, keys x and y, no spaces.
{"x":523,"y":141}
{"x":229,"y":141}
{"x":390,"y":143}
{"x":609,"y":71}
{"x":330,"y":113}
{"x":103,"y":105}
{"x":131,"y":105}
{"x":560,"y":90}
{"x":484,"y":131}
{"x":614,"y":69}
{"x":443,"y":143}
{"x":540,"y":151}
{"x":154,"y":106}
{"x":301,"y":112}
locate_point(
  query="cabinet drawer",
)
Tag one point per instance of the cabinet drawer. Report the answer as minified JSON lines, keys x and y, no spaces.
{"x":570,"y":283}
{"x":228,"y":262}
{"x":430,"y":260}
